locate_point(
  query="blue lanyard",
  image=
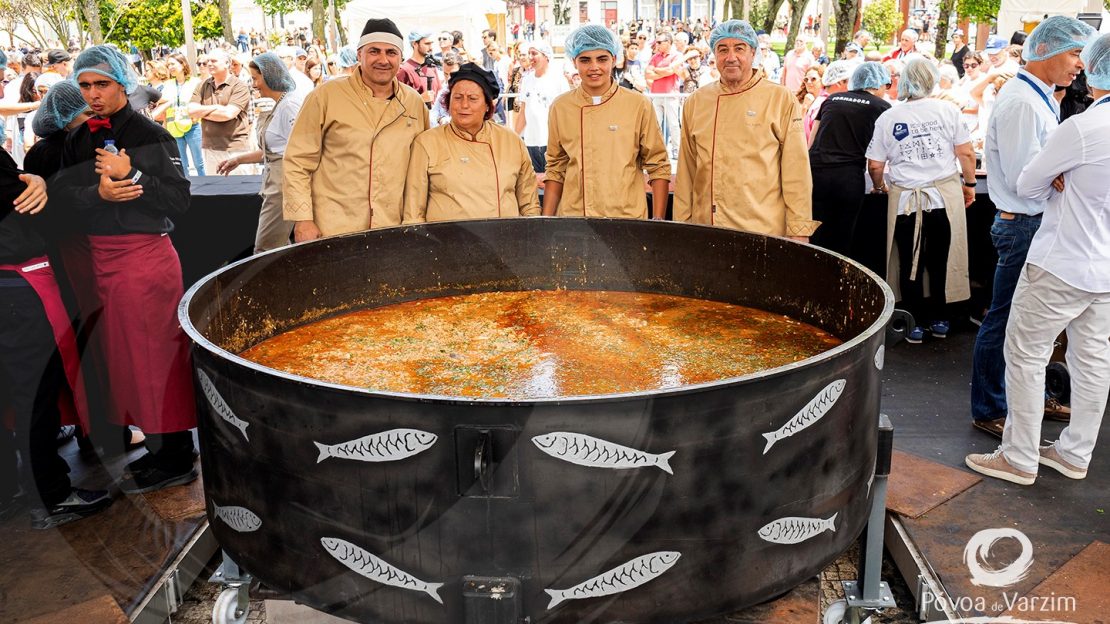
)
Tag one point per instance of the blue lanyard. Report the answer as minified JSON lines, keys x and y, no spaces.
{"x":1033,"y":85}
{"x":1104,"y":100}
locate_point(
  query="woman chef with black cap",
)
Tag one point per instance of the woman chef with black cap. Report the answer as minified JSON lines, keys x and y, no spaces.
{"x":470,"y":168}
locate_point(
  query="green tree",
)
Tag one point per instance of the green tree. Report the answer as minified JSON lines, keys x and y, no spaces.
{"x":773,"y":7}
{"x":152,"y":23}
{"x":320,"y":10}
{"x":845,"y":17}
{"x":944,"y":13}
{"x":983,"y":11}
{"x":882,"y":18}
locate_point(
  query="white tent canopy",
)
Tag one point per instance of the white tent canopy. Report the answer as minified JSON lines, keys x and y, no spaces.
{"x":468,"y":16}
{"x":1011,"y":13}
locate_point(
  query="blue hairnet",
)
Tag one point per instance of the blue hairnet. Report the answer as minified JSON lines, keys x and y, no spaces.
{"x":348,"y":57}
{"x":591,"y":37}
{"x":274,"y":73}
{"x":1056,"y":35}
{"x":61,"y":104}
{"x":108,"y":62}
{"x":1096,"y":59}
{"x":733,"y":29}
{"x":870,"y":75}
{"x":917,"y":80}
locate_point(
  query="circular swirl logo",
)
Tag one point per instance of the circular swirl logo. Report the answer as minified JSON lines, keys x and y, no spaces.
{"x":977,"y":557}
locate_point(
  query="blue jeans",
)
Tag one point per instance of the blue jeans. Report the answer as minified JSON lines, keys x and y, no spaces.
{"x":190,"y":145}
{"x":988,"y":365}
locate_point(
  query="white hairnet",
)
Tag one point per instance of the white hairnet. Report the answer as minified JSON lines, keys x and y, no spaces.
{"x":736,"y":29}
{"x":1096,"y":59}
{"x":348,"y":57}
{"x":870,"y":75}
{"x":543,"y":48}
{"x":918,"y":80}
{"x":62,"y":103}
{"x":49,"y":79}
{"x":274,"y":73}
{"x":949,"y":73}
{"x":591,"y":37}
{"x":837,"y":71}
{"x":108,"y":62}
{"x":1056,"y":35}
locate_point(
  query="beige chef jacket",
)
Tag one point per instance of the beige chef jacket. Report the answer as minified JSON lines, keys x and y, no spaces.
{"x":347,"y":156}
{"x":600,"y":152}
{"x":454,"y":175}
{"x":743,"y":162}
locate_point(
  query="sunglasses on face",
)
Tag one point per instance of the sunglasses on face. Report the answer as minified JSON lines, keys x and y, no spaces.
{"x":971,"y":65}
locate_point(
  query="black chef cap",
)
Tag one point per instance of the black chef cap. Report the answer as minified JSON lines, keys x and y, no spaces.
{"x":483,"y":77}
{"x":381,"y":31}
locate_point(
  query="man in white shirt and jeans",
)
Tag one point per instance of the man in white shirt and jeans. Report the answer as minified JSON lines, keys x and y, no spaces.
{"x":538,"y":89}
{"x":1024,"y":115}
{"x":1064,"y":285}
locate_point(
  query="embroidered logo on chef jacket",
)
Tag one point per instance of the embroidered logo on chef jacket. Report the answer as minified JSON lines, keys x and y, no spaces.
{"x":901,"y":131}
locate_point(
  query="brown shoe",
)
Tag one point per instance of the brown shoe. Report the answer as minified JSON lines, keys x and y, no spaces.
{"x":1051,"y":458}
{"x":993,"y":427}
{"x":1055,"y":410}
{"x":996,"y":465}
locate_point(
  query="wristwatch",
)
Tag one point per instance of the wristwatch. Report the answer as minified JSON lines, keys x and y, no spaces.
{"x":971,"y":184}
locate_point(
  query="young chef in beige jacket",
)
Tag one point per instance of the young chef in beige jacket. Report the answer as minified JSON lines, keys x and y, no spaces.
{"x":601,"y":139}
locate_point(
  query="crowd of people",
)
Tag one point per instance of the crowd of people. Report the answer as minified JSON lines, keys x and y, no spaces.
{"x":409,"y":128}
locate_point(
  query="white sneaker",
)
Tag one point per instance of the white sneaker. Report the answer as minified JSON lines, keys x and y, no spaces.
{"x":996,"y":465}
{"x":1051,"y":457}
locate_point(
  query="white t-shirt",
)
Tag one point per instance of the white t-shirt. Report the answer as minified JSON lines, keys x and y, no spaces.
{"x":281,"y":121}
{"x":917,"y":140}
{"x":537,"y":95}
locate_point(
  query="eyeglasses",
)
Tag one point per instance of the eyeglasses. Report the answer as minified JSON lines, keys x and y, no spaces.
{"x":445,"y":39}
{"x":971,"y":65}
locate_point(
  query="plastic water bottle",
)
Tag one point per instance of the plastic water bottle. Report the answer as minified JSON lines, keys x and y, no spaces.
{"x":110,"y":147}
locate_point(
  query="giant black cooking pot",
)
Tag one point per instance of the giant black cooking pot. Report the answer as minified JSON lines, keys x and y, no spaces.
{"x":769,"y":479}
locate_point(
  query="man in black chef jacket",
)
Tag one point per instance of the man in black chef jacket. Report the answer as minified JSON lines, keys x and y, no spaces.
{"x":33,"y":323}
{"x":122,"y":180}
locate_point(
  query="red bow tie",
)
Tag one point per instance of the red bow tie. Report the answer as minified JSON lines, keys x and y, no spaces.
{"x":96,"y":124}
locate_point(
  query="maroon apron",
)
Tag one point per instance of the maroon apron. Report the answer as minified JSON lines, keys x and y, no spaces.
{"x":38,"y":273}
{"x":128,"y":288}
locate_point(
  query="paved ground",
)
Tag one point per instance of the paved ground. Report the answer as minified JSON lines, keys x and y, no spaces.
{"x":197,"y":608}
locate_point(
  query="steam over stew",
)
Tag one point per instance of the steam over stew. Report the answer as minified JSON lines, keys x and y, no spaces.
{"x":541,"y":344}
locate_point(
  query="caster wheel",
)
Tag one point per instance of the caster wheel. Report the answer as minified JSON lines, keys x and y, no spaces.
{"x":226,"y":610}
{"x":1057,"y":382}
{"x":835,"y":613}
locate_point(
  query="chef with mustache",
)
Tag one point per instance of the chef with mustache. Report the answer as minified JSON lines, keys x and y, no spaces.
{"x":743,"y":162}
{"x":348,"y":154}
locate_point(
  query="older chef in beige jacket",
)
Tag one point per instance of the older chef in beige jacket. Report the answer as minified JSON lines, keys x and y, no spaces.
{"x":601,"y":139}
{"x":349,"y":150}
{"x":743,"y":162}
{"x":470,"y":168}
